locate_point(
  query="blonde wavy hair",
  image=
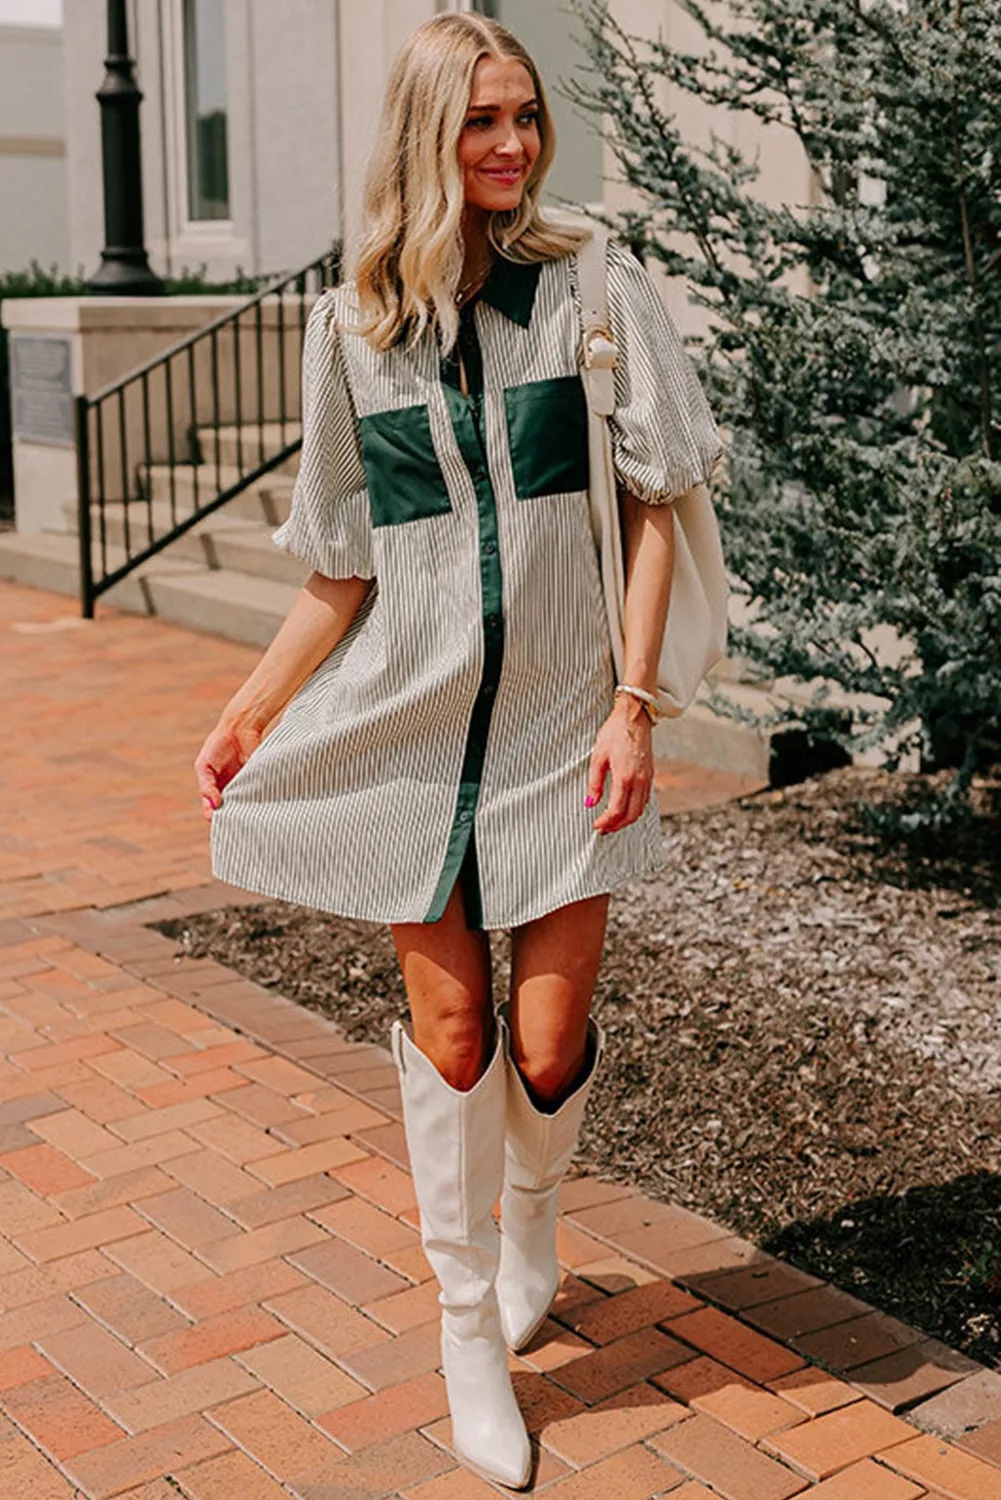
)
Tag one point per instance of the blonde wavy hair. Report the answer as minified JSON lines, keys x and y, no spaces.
{"x":411,"y":255}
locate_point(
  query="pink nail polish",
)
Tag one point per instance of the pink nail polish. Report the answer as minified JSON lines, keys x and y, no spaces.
{"x":590,"y":801}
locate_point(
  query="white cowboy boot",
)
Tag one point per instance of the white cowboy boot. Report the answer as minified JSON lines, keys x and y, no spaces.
{"x":456,"y":1144}
{"x":538,"y":1150}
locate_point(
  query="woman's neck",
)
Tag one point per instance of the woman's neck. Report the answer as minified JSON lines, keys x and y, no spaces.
{"x":477,"y":251}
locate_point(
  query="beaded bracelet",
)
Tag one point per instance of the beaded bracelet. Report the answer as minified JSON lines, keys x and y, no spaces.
{"x":648,"y":700}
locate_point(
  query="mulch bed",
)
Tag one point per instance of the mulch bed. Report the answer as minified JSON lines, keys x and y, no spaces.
{"x":803,"y":1036}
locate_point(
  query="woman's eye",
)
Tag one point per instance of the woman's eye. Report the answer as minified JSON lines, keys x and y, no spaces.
{"x":478,"y":122}
{"x":531,"y":118}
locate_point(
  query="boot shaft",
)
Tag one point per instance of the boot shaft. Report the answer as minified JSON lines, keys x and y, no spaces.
{"x":456,"y":1145}
{"x":539,"y":1145}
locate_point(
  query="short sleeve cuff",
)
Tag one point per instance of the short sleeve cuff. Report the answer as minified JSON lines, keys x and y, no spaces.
{"x":655,"y":487}
{"x":344,"y":551}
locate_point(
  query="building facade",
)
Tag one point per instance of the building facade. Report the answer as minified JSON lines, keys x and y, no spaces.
{"x":258,"y":120}
{"x":240,"y":145}
{"x":34,"y":221}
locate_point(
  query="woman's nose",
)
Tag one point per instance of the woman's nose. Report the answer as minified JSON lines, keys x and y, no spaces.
{"x":510,"y":143}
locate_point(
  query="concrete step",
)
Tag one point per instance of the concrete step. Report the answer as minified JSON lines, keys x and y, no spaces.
{"x":267,"y":499}
{"x":773,"y":756}
{"x":51,"y":560}
{"x":218,"y":601}
{"x":276,"y":498}
{"x":705,"y":738}
{"x":250,"y":550}
{"x":146,"y":516}
{"x":250,"y":444}
{"x":220,"y":540}
{"x":740,"y":669}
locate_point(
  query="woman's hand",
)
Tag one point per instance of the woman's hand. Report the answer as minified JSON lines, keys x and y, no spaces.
{"x":320,"y":616}
{"x":624,"y":748}
{"x":227,"y":748}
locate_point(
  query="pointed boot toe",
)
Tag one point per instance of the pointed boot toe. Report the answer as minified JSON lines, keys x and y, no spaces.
{"x":526,"y":1283}
{"x":488,"y":1430}
{"x":522,"y":1324}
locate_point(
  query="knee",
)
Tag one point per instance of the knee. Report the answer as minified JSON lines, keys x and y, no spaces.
{"x":549,"y":1074}
{"x":455,"y":1041}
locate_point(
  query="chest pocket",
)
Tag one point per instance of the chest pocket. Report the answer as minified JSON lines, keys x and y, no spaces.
{"x":404,"y":477}
{"x":547,"y":436}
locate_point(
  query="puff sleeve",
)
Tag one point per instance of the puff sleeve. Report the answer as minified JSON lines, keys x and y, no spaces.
{"x":329,"y":525}
{"x":664,"y":439}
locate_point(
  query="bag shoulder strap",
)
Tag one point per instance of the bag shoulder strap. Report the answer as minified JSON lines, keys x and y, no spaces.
{"x":599,"y":352}
{"x":592,"y":275}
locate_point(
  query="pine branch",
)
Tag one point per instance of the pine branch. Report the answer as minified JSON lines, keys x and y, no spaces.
{"x":971,"y":272}
{"x":860,"y":495}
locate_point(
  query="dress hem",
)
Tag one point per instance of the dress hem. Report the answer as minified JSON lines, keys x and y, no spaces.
{"x":599,"y":888}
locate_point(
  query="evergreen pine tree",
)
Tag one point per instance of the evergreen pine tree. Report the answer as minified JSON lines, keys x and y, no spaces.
{"x":861,"y":499}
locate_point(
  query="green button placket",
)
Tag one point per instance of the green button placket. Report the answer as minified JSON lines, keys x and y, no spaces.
{"x":474,"y":456}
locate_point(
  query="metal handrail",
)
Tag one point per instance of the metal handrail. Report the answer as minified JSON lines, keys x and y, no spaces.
{"x":127,"y":429}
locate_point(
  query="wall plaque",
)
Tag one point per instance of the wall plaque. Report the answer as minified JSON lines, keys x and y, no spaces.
{"x":41,"y":388}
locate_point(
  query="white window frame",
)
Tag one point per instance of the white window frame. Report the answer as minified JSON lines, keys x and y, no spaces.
{"x":204,"y":237}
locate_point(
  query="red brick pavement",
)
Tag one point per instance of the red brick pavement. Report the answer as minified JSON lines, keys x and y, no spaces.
{"x":210,"y":1276}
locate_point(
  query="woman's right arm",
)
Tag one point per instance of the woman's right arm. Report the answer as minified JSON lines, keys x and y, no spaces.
{"x":320,"y":617}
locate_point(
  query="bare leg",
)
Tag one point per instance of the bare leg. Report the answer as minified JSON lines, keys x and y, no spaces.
{"x":554,"y":966}
{"x":446,"y":971}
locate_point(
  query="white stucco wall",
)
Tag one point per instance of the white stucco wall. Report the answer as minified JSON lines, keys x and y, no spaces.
{"x":551,"y":36}
{"x":371,"y":32}
{"x":83,"y":69}
{"x":292,"y":94}
{"x":785,"y":174}
{"x":33,"y":215}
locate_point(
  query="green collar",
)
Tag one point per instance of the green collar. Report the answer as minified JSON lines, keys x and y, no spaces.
{"x":511,"y":287}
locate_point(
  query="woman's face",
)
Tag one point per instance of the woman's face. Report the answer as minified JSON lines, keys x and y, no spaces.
{"x":500,"y":139}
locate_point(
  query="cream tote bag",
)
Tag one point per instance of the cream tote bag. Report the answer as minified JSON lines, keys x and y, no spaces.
{"x":695,"y":634}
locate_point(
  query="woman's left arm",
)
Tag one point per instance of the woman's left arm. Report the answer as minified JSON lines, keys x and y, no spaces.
{"x":623,"y":747}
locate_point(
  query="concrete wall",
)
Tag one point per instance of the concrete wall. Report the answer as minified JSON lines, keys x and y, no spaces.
{"x":33,"y":216}
{"x":294,"y":127}
{"x":550,"y":35}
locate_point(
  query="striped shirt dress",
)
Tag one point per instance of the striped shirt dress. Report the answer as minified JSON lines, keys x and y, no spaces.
{"x":448,"y":736}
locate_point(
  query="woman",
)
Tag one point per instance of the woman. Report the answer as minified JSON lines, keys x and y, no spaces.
{"x":448,"y":733}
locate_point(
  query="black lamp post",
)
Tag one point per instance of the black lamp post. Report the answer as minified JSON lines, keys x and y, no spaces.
{"x":124,"y":270}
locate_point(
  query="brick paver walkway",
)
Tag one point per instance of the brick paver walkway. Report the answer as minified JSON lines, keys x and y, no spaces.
{"x":211,"y":1280}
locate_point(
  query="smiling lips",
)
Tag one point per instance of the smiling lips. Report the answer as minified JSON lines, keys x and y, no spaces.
{"x":502,"y":174}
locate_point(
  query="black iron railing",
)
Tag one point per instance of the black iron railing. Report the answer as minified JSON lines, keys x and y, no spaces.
{"x":141,"y":449}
